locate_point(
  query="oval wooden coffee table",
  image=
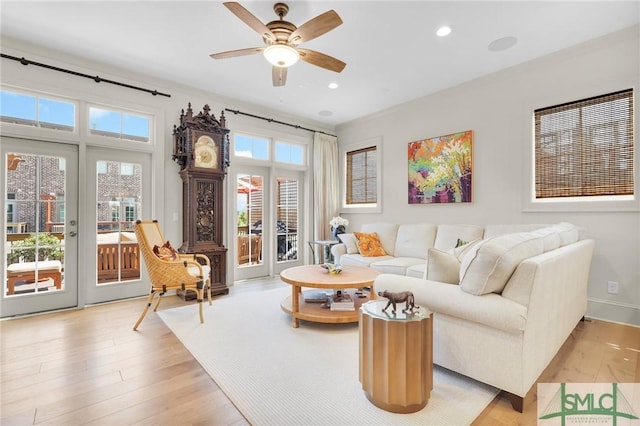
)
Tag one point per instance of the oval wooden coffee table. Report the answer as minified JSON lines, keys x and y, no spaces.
{"x":314,"y":276}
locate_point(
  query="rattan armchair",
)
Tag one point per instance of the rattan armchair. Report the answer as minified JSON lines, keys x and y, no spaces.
{"x":190,"y":272}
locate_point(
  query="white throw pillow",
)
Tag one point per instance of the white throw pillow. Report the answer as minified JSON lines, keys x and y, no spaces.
{"x":350,"y":242}
{"x":487,"y":266}
{"x":461,"y":251}
{"x":442,"y":266}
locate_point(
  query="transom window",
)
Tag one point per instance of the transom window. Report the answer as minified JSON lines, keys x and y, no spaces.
{"x":118,"y":124}
{"x":585,"y":148}
{"x":31,"y":110}
{"x":251,"y":147}
{"x":289,"y":153}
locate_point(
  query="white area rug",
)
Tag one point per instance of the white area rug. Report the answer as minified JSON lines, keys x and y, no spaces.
{"x":279,"y":375}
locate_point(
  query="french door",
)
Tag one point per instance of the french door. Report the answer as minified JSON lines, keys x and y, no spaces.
{"x":289,"y":223}
{"x":118,"y":194}
{"x":252,"y":232}
{"x":40,"y":226}
{"x":267,"y":224}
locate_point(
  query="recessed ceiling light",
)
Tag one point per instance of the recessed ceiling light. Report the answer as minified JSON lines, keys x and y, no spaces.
{"x":503,"y":43}
{"x":443,"y":31}
{"x":325,"y":113}
{"x":333,"y":85}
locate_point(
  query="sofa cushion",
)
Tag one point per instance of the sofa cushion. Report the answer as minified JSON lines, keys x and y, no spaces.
{"x":31,"y":266}
{"x":369,"y":245}
{"x":550,"y":238}
{"x":413,"y":240}
{"x":396,"y":265}
{"x":568,"y":233}
{"x":417,"y":271}
{"x":447,"y":235}
{"x":193,"y":270}
{"x":360,"y":260}
{"x":491,"y":231}
{"x":442,"y":266}
{"x":351,"y":243}
{"x":489,"y":264}
{"x":387,"y":233}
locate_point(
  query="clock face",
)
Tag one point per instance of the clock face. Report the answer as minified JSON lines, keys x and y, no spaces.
{"x":206,"y":153}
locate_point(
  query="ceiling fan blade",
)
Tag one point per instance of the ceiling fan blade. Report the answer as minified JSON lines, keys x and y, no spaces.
{"x":249,"y":19}
{"x":239,"y":52}
{"x":321,"y":60}
{"x":315,"y":27}
{"x":279,"y":76}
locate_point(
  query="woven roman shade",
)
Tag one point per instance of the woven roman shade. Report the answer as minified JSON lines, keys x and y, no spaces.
{"x":585,"y":148}
{"x":361,"y":176}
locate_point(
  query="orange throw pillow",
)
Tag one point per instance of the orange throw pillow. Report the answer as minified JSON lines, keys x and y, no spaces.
{"x":369,"y":244}
{"x":166,"y":252}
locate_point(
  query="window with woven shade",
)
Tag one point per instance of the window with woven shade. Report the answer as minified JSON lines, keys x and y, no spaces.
{"x":361,"y":176}
{"x":585,"y":148}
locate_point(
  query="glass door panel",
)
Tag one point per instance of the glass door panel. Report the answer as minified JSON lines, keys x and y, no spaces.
{"x":287,"y":219}
{"x":119,"y":193}
{"x":251,"y":235}
{"x":288,"y":223}
{"x":40,"y":202}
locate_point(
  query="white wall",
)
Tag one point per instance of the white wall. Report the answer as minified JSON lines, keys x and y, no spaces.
{"x":499,"y":108}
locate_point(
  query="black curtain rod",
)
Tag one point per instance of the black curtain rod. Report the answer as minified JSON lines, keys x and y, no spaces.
{"x":95,"y":78}
{"x":271,"y":120}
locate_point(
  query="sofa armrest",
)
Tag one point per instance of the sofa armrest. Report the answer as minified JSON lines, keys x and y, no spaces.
{"x":338,"y":250}
{"x":558,"y":298}
{"x":491,"y":310}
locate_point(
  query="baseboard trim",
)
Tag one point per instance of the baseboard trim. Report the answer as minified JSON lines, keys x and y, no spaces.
{"x":615,"y":312}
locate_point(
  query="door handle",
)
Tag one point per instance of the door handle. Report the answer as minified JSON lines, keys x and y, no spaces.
{"x":72,"y":233}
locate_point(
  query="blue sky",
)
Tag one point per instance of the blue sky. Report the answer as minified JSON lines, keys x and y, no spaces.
{"x":28,"y":107}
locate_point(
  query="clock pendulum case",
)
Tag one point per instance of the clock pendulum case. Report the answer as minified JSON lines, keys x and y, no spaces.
{"x":201,"y":148}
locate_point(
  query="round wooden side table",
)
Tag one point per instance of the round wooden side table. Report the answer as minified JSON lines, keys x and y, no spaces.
{"x":396,"y":356}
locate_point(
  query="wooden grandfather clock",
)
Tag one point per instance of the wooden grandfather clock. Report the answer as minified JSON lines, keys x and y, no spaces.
{"x":201,"y":148}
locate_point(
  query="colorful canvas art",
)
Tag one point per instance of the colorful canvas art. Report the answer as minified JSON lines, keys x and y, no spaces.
{"x":440,"y":169}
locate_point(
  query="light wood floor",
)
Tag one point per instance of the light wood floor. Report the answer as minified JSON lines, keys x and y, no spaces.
{"x":89,"y":367}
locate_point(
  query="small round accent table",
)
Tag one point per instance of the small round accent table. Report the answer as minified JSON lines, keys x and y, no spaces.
{"x":396,"y":356}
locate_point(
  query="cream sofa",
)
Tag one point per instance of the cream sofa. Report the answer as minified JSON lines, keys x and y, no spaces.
{"x":503,"y":305}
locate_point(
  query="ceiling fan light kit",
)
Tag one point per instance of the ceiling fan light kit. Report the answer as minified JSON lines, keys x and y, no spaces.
{"x":281,"y":55}
{"x":282,"y":39}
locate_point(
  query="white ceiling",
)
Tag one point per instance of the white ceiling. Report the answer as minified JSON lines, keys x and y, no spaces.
{"x":390,"y":47}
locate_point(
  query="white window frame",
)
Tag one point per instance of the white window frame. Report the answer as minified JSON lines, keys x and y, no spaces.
{"x":574,"y":204}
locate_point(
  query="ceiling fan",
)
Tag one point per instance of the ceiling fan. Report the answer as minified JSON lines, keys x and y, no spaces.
{"x":282,"y":38}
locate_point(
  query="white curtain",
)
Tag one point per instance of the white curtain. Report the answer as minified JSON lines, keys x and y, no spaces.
{"x":326,"y":184}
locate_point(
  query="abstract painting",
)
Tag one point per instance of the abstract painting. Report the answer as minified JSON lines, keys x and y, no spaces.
{"x":440,"y":169}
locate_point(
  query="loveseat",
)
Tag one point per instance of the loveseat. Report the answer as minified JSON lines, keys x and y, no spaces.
{"x":505,"y":298}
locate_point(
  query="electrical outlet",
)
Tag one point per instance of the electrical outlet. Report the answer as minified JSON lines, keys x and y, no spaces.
{"x":612,"y":287}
